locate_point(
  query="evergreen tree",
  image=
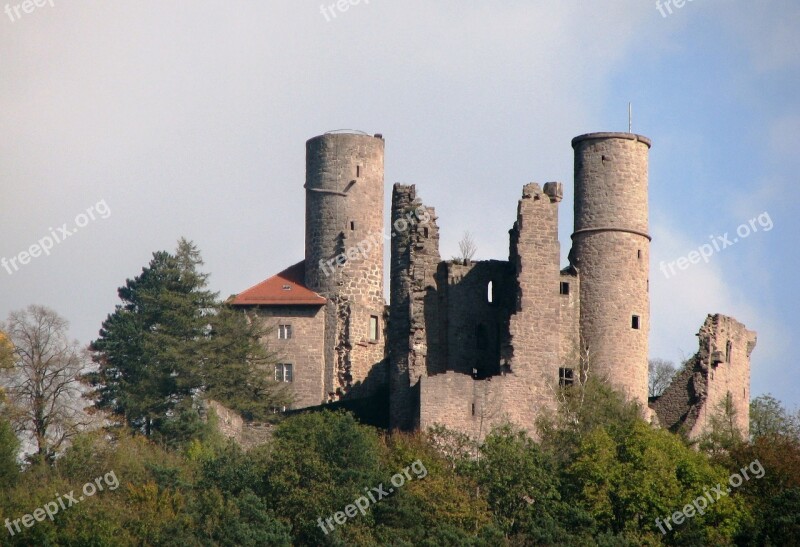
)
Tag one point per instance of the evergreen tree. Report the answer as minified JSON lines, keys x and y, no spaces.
{"x":171,"y":341}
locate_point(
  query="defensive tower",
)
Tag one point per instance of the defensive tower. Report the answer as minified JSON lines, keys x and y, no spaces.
{"x":611,"y":250}
{"x":344,"y":250}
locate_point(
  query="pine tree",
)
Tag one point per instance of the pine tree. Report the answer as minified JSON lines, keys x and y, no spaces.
{"x":170,"y":342}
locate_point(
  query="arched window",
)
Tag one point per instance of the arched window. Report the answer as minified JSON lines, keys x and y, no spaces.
{"x":490,"y":292}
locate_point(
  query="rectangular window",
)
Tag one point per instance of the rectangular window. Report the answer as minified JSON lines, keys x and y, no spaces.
{"x":565,"y":377}
{"x":284,"y":332}
{"x":283,"y":372}
{"x":564,"y":289}
{"x":352,"y":225}
{"x":635,"y":322}
{"x":373,"y":327}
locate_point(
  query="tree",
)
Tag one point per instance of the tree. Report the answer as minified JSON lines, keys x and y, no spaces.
{"x":659,"y":376}
{"x":581,"y":408}
{"x":466,"y":247}
{"x":6,"y":352}
{"x":768,"y":418}
{"x":43,"y":384}
{"x":521,"y":485}
{"x":242,"y":375}
{"x":772,"y":490}
{"x":722,"y":432}
{"x":320,"y":462}
{"x":170,"y":342}
{"x":631,"y":483}
{"x":9,"y":448}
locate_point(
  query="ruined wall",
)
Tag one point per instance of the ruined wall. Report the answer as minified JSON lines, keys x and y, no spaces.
{"x":721,"y":366}
{"x":414,"y":335}
{"x":232,"y":426}
{"x":611,"y":251}
{"x":344,"y":250}
{"x":476,"y":406}
{"x":477,"y":299}
{"x":525,"y":310}
{"x":304,"y":350}
{"x":535,"y":326}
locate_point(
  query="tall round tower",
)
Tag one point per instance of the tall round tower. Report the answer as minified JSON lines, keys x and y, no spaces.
{"x":344,"y":250}
{"x":611,"y":249}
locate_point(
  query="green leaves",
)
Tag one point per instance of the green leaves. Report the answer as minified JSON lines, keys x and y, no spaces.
{"x":171,"y":341}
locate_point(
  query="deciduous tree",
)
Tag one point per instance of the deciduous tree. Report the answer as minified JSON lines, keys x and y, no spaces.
{"x":43,"y":385}
{"x":659,"y":376}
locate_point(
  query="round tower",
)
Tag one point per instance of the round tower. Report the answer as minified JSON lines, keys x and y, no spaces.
{"x":611,"y":249}
{"x":344,"y":250}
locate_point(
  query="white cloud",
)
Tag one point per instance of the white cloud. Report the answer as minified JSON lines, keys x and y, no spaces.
{"x":680,"y":303}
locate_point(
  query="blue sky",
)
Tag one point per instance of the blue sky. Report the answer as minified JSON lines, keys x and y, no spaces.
{"x":190,"y":119}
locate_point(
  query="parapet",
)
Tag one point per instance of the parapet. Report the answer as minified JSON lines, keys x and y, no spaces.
{"x":553,"y":190}
{"x":612,"y":135}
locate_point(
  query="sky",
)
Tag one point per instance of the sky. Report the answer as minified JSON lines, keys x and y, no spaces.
{"x":137,"y":123}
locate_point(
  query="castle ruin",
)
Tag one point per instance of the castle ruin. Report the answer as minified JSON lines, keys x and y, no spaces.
{"x":471,"y":344}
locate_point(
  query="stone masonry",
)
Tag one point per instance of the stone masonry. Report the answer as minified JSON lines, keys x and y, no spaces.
{"x":719,"y":369}
{"x":472,"y":344}
{"x":344,"y":214}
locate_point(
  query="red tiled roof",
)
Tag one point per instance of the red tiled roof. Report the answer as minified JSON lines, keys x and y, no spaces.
{"x":285,"y":288}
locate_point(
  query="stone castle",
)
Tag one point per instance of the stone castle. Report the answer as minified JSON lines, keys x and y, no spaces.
{"x":471,"y":344}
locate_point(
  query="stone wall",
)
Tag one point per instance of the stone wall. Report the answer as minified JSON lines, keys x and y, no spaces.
{"x":475,"y":406}
{"x":415,"y":324}
{"x":701,"y":387}
{"x":476,"y":299}
{"x":570,"y":316}
{"x":304,"y":350}
{"x":231,"y":426}
{"x":535,"y":327}
{"x":509,"y":374}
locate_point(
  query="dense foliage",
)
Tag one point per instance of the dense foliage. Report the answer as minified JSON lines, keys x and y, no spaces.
{"x":608,"y":489}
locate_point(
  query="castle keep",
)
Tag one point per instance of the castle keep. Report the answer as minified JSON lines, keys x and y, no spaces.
{"x":471,"y":344}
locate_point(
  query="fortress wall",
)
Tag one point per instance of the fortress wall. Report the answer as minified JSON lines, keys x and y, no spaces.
{"x":478,"y":299}
{"x":414,"y":320}
{"x":699,"y":390}
{"x":569,"y":313}
{"x":474,"y":407}
{"x":535,"y":325}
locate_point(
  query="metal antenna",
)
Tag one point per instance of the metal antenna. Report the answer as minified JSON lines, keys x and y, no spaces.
{"x":630,"y":118}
